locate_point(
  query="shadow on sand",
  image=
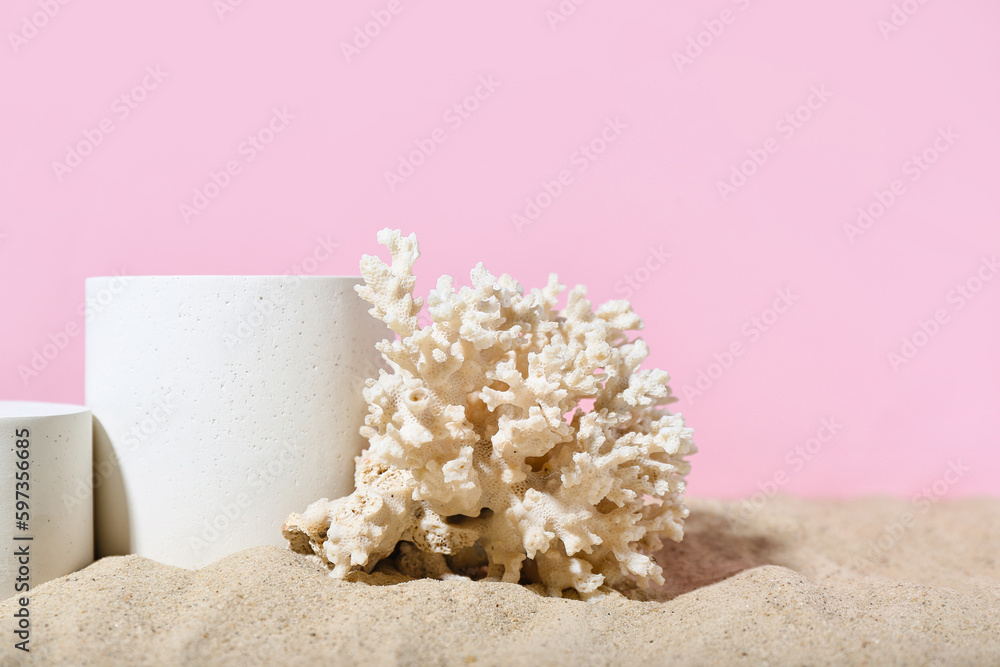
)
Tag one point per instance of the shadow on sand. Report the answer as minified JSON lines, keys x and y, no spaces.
{"x":712,"y":550}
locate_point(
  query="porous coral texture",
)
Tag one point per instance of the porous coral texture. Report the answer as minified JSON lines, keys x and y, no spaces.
{"x":527,"y":432}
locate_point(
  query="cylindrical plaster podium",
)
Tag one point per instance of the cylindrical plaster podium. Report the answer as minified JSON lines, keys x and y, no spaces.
{"x":46,"y":508}
{"x":222,"y":404}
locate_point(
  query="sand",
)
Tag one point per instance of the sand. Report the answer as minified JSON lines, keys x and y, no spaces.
{"x":862,"y":582}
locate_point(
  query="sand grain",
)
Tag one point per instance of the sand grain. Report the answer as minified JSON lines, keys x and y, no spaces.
{"x":800,"y":582}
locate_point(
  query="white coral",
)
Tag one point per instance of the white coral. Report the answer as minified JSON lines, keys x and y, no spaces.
{"x":477,"y":436}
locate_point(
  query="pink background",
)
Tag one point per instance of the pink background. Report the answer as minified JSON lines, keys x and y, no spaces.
{"x":686,"y":126}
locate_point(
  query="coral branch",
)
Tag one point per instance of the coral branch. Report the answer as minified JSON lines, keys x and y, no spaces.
{"x":479,"y":437}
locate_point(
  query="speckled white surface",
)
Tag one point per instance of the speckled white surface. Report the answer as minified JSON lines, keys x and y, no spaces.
{"x":54,"y":487}
{"x":222,"y":404}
